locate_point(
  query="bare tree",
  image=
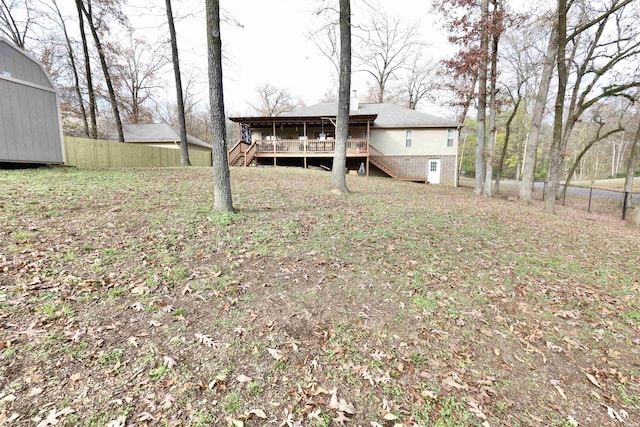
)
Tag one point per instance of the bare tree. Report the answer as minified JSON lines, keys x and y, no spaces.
{"x":273,"y":101}
{"x":16,"y":19}
{"x":420,"y":82}
{"x":223,"y":200}
{"x":327,"y":42}
{"x":386,"y":49}
{"x":88,"y":13}
{"x":184,"y":149}
{"x":482,"y":102}
{"x":93,"y":133}
{"x":73,"y":66}
{"x":632,"y":160}
{"x":597,"y":61}
{"x":338,"y":176}
{"x":531,"y":149}
{"x":495,"y":31}
{"x":135,"y":73}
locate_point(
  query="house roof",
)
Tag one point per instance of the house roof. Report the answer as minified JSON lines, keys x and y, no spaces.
{"x":381,"y":116}
{"x":157,"y":132}
{"x":387,"y":115}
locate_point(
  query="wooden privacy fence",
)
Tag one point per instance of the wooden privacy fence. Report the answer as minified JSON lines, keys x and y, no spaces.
{"x":98,"y":154}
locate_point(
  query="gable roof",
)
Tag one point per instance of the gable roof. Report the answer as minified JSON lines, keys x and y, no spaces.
{"x":157,"y":132}
{"x":388,"y":115}
{"x":15,"y":63}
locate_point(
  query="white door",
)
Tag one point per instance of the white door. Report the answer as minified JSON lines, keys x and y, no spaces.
{"x":433,"y":171}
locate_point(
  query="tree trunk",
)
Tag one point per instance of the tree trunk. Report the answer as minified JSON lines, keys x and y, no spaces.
{"x":221,"y":178}
{"x":74,"y":70}
{"x":529,"y":165}
{"x":488,"y":180}
{"x":555,"y":151}
{"x":184,"y":148}
{"x":338,"y":176}
{"x":507,"y":136}
{"x":632,"y":162}
{"x":482,"y":103}
{"x":105,"y":69}
{"x":87,"y":66}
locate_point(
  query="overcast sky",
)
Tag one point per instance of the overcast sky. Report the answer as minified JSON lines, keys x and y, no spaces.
{"x":271,"y":46}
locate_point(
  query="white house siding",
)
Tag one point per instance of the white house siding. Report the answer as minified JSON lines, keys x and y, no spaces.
{"x":425,"y":142}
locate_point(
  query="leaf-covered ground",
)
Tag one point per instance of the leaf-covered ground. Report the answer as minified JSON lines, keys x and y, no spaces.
{"x":124,"y":300}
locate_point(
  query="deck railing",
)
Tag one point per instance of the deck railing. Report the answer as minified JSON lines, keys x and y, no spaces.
{"x":384,"y":162}
{"x":311,"y":146}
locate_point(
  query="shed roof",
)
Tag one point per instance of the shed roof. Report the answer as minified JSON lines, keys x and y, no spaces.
{"x":157,"y":132}
{"x":18,"y":66}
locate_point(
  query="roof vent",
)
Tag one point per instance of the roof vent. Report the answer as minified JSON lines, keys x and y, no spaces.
{"x":353,"y":104}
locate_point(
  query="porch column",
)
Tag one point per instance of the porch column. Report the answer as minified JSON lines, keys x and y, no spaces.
{"x":368,"y":136}
{"x":304,"y":143}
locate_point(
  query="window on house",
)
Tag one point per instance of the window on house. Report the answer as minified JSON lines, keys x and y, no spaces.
{"x":450,"y":134}
{"x":408,"y":138}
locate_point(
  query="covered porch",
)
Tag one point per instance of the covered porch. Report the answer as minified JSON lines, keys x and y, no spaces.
{"x":264,"y":140}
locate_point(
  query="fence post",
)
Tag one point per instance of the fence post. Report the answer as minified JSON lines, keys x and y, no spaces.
{"x":564,"y":195}
{"x":544,"y":190}
{"x":590,"y":193}
{"x":624,"y":205}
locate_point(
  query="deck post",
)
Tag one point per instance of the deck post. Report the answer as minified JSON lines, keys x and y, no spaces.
{"x":368,"y":130}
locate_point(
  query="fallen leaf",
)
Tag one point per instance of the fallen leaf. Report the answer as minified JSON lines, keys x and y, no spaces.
{"x":167,"y":402}
{"x":474,"y":408}
{"x":556,"y":384}
{"x":572,"y":421}
{"x":593,"y":380}
{"x":52,"y":418}
{"x":341,"y":419}
{"x":137,"y":306}
{"x":243,"y":379}
{"x":35,"y":391}
{"x":118,"y":422}
{"x":258,"y":413}
{"x":169,"y":362}
{"x":619,"y":416}
{"x":205,"y":340}
{"x":275,"y":353}
{"x":390,"y":417}
{"x":555,"y":348}
{"x":145,"y":416}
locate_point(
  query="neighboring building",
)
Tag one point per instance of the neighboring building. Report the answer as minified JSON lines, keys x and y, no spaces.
{"x":403,"y":143}
{"x":161,"y":135}
{"x":30,"y":125}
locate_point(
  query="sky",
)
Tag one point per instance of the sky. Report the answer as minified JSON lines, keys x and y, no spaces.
{"x":271,"y":46}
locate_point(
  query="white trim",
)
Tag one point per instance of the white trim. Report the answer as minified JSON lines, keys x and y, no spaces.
{"x":24,"y":83}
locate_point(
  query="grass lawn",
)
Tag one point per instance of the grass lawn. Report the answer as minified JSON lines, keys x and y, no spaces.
{"x":125,"y":300}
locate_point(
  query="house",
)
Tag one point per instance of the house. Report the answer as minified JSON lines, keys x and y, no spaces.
{"x":386,"y":138}
{"x":161,"y":135}
{"x":30,"y":124}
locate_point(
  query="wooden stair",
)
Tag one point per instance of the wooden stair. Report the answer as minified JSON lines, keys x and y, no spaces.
{"x":385,"y":163}
{"x":242,"y":154}
{"x":238,"y":161}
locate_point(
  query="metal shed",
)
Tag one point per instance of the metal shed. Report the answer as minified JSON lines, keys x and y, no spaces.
{"x":30,"y":125}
